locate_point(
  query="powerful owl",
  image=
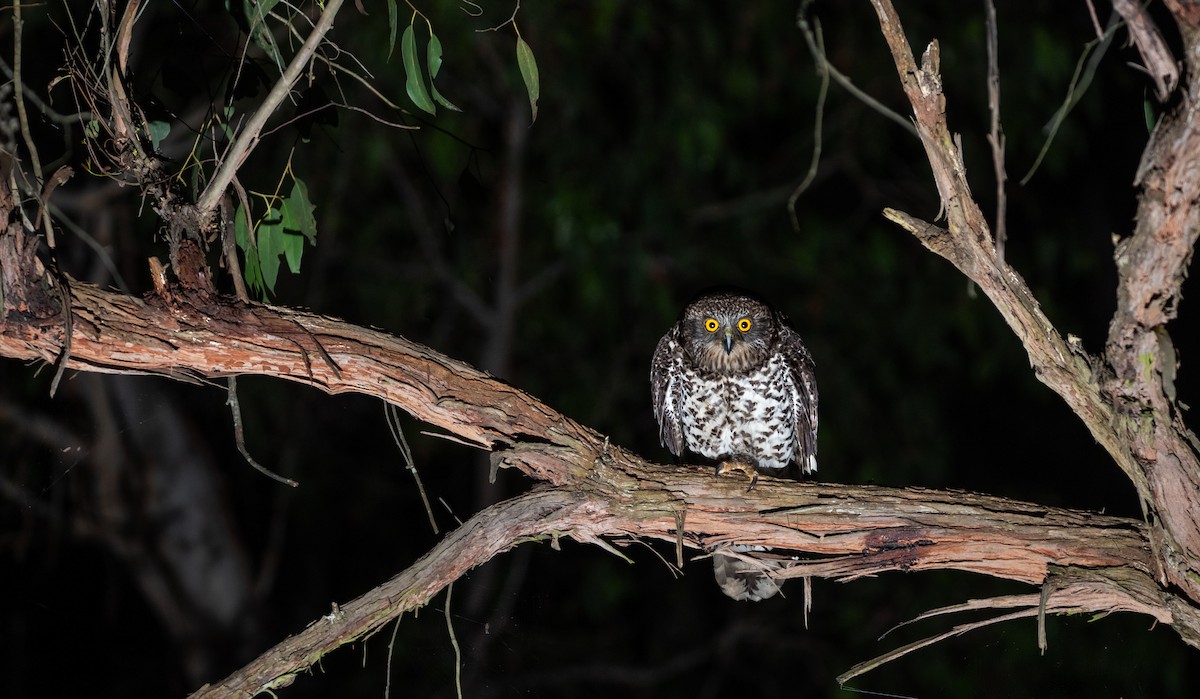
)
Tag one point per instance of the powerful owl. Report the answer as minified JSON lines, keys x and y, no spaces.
{"x":733,"y":383}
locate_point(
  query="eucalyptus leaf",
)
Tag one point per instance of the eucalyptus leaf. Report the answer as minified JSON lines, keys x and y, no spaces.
{"x":298,"y":212}
{"x":253,"y":275}
{"x":434,"y":57}
{"x":414,"y":80}
{"x":293,"y":249}
{"x":437,"y":97}
{"x":270,"y":247}
{"x":158,"y":130}
{"x":529,"y":73}
{"x":241,"y":228}
{"x":251,"y":269}
{"x":393,"y":22}
{"x":256,"y":15}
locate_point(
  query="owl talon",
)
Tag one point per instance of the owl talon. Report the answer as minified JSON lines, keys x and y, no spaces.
{"x":747,"y":469}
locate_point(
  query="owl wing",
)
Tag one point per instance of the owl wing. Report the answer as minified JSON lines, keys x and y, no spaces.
{"x":667,"y":388}
{"x":803,"y":397}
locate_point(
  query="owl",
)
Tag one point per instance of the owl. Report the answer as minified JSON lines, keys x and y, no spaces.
{"x":733,"y":383}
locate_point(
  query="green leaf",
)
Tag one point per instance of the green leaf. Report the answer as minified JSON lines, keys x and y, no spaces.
{"x":270,"y":247}
{"x":529,"y":73}
{"x":298,"y":223}
{"x":253,"y":275}
{"x":241,"y":228}
{"x":393,"y":19}
{"x":293,"y":249}
{"x":415,"y":82}
{"x":437,"y":96}
{"x":433,"y":55}
{"x":158,"y":131}
{"x":298,"y":213}
{"x":434,"y":58}
{"x":252,"y":270}
{"x":256,"y":14}
{"x":224,"y":123}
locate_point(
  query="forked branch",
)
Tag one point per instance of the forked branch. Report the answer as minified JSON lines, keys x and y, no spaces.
{"x":1128,"y":409}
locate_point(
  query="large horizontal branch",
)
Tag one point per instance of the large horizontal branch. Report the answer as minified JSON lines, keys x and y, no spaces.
{"x":1123,"y":405}
{"x":909,"y":529}
{"x":874,"y":529}
{"x":858,"y":530}
{"x":861,"y":530}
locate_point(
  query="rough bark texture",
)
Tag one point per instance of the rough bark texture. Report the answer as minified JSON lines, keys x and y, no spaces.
{"x":1126,"y":396}
{"x":601,"y":490}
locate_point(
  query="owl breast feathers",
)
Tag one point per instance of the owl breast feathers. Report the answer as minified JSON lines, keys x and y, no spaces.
{"x":731,"y":381}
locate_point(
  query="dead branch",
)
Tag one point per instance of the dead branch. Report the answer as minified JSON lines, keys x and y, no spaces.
{"x":1129,"y":410}
{"x":1160,"y":64}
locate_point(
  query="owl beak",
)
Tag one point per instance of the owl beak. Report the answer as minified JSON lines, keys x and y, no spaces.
{"x":728,"y":341}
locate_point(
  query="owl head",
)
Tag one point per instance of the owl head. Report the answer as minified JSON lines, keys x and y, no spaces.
{"x":727,"y":331}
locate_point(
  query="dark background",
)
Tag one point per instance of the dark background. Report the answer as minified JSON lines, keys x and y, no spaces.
{"x":669,"y":137}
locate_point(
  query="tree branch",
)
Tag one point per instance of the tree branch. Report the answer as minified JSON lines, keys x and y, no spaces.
{"x":249,"y":137}
{"x":1160,"y":64}
{"x":864,"y":530}
{"x":492,"y":531}
{"x":1122,"y":403}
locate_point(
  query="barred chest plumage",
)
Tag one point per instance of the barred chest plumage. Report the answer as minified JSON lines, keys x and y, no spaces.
{"x":744,"y":415}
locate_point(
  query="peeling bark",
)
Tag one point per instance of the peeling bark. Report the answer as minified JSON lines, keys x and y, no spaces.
{"x":597,"y":490}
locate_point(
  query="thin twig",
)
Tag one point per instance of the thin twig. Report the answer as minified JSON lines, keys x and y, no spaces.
{"x":454,"y":642}
{"x":453,"y":438}
{"x":996,"y":136}
{"x":392,"y":415}
{"x":23,"y":118}
{"x":817,"y":47}
{"x":1095,"y":18}
{"x":240,"y":439}
{"x":451,"y":511}
{"x":850,"y":87}
{"x":68,"y":332}
{"x":46,"y":110}
{"x":867,"y":666}
{"x":249,"y":137}
{"x":1085,"y":70}
{"x":88,"y":239}
{"x":229,"y":249}
{"x":511,"y":20}
{"x":387,"y":687}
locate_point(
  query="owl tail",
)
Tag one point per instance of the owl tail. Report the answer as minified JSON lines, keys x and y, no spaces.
{"x":743,"y":580}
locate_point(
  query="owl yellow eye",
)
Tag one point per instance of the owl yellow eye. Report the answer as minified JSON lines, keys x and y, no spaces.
{"x":711,"y":325}
{"x":744,"y":325}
